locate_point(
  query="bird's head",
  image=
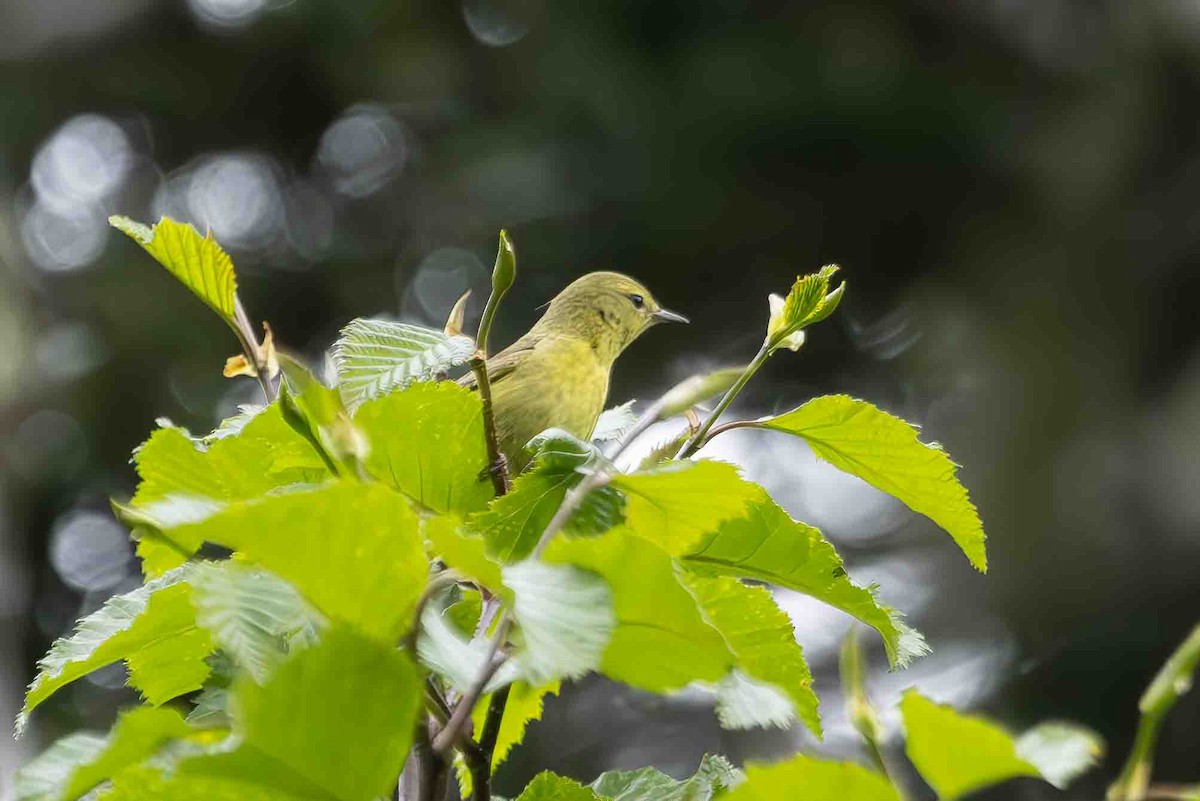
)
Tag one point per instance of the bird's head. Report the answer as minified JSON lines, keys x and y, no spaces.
{"x":609,"y":310}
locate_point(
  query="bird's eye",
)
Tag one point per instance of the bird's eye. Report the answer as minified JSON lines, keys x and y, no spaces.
{"x":638,"y":301}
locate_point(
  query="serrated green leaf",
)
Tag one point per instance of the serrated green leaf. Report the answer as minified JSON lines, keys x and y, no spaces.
{"x":767,"y":545}
{"x":77,"y":763}
{"x":956,"y":753}
{"x":675,"y":504}
{"x":170,"y":667}
{"x":149,"y":784}
{"x":614,"y":422}
{"x":463,"y":551}
{"x":525,"y":705}
{"x":455,"y":657}
{"x":821,"y":780}
{"x":375,"y":357}
{"x":255,"y":617}
{"x":340,"y":714}
{"x":809,"y":302}
{"x":514,"y":523}
{"x":427,"y":442}
{"x":197,"y":261}
{"x":353,"y":550}
{"x":764,"y":644}
{"x":647,"y":784}
{"x":548,"y":787}
{"x":565,"y":616}
{"x":884,"y":451}
{"x":211,"y":710}
{"x":1060,"y":751}
{"x":661,"y":642}
{"x":266,"y":455}
{"x":123,"y":626}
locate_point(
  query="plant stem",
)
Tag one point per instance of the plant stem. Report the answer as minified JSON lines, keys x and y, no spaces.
{"x":479,"y":764}
{"x":1173,"y":680}
{"x":497,"y":468}
{"x":252,"y":348}
{"x":491,"y":724}
{"x":697,"y":439}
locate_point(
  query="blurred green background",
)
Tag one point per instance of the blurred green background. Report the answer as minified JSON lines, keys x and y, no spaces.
{"x":1010,"y":186}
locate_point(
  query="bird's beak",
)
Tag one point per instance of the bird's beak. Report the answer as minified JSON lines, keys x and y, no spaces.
{"x":668,"y":316}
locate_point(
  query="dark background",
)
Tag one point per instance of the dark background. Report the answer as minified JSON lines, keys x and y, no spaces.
{"x":1009,"y":185}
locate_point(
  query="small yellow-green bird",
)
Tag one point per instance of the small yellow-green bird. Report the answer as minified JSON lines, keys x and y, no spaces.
{"x":556,"y":376}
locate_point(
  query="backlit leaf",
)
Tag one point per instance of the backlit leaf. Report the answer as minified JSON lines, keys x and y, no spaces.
{"x":375,"y":357}
{"x":548,"y":787}
{"x":884,"y":451}
{"x":353,"y":550}
{"x":647,"y":784}
{"x":1060,"y":751}
{"x":427,"y":442}
{"x":764,"y":644}
{"x":197,"y":261}
{"x":661,"y":642}
{"x":340,"y":714}
{"x":767,"y":545}
{"x":820,"y":780}
{"x":614,"y":422}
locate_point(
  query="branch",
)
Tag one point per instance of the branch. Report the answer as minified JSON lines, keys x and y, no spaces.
{"x":497,"y":466}
{"x":253,"y":349}
{"x":700,"y":437}
{"x":479,"y":764}
{"x":491,"y":724}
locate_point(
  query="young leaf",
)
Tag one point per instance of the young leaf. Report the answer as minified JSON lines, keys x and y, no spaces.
{"x":375,"y":357}
{"x":820,"y":779}
{"x":884,"y":451}
{"x":767,"y":545}
{"x":614,"y":422}
{"x":197,"y":261}
{"x":675,"y":504}
{"x":73,"y":766}
{"x":254,"y":616}
{"x":514,"y":523}
{"x":427,"y":442}
{"x":764,"y":644}
{"x":955,"y":753}
{"x":809,"y":302}
{"x":661,"y":642}
{"x":353,"y":550}
{"x":160,"y":611}
{"x":548,"y":787}
{"x":566,"y":618}
{"x":647,"y":784}
{"x":1060,"y":751}
{"x":339,"y":714}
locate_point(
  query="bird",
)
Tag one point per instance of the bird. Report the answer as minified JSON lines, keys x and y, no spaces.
{"x":557,"y":374}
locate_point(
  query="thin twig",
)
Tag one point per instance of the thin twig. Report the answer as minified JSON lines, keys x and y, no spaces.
{"x":436,"y":584}
{"x":698,"y":439}
{"x":491,"y":723}
{"x":448,"y":737}
{"x":497,"y":468}
{"x":253,"y":349}
{"x":479,"y":764}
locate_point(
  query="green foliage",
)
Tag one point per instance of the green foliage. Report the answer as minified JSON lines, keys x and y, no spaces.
{"x":379,"y":596}
{"x":375,"y":357}
{"x":822,"y":781}
{"x":197,"y":261}
{"x":958,"y":754}
{"x":884,"y":451}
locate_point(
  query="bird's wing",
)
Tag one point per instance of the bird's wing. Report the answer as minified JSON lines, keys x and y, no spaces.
{"x":503,"y":362}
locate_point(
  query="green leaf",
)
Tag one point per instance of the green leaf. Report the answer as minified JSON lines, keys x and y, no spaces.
{"x":267,"y":455}
{"x":675,"y":504}
{"x":170,"y":667}
{"x":463,"y":551}
{"x":353,"y":550}
{"x":647,"y":784}
{"x":767,"y":545}
{"x":160,"y":611}
{"x":514,"y":523}
{"x":955,"y":753}
{"x":548,"y":787}
{"x":427,"y":442}
{"x":339,"y":714}
{"x":457,"y":659}
{"x":696,"y":389}
{"x":525,"y":705}
{"x":148,"y":783}
{"x":375,"y":357}
{"x":821,"y":780}
{"x":254,"y":616}
{"x":77,"y":763}
{"x":613,"y":423}
{"x":566,"y":619}
{"x":315,"y":412}
{"x":884,"y":451}
{"x":197,"y":261}
{"x":1060,"y":751}
{"x":661,"y":642}
{"x":211,"y":710}
{"x":764,"y":644}
{"x":809,"y":302}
